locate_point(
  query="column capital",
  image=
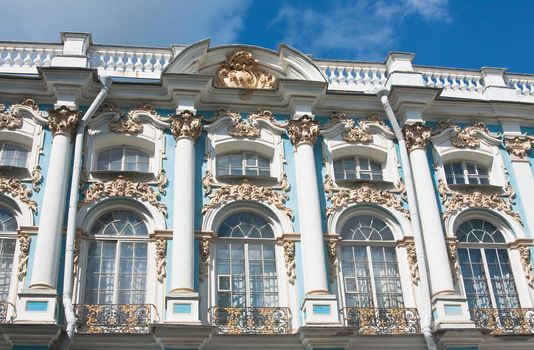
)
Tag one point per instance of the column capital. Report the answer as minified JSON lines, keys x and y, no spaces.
{"x":185,"y":125}
{"x":417,"y":135}
{"x":303,"y":131}
{"x":63,"y":120}
{"x":518,"y":146}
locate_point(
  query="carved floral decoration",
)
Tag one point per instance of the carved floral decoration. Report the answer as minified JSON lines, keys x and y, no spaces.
{"x":127,"y":123}
{"x":417,"y":135}
{"x":455,"y":201}
{"x":185,"y":125}
{"x":15,"y":188}
{"x":162,"y":182}
{"x":37,"y":178}
{"x":207,"y":182}
{"x":249,"y":129}
{"x":519,"y":146}
{"x":467,"y":137}
{"x":8,"y":120}
{"x":289,"y":258}
{"x":24,"y":254}
{"x":63,"y":120}
{"x":340,"y":197}
{"x":76,"y":256}
{"x":332,"y":260}
{"x":303,"y":131}
{"x":412,"y":262}
{"x":452,"y":251}
{"x":204,"y":250}
{"x":161,"y":258}
{"x":124,"y":188}
{"x":524,"y":254}
{"x":241,"y":70}
{"x":355,"y":132}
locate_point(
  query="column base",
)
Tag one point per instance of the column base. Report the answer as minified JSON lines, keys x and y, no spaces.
{"x":182,"y":307}
{"x":38,"y":305}
{"x":451,"y":312}
{"x":320,"y":310}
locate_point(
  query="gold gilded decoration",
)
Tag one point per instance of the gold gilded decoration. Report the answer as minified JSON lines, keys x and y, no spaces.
{"x":364,"y":193}
{"x":161,"y":258}
{"x":76,"y":256}
{"x":466,"y":137}
{"x":241,"y":70}
{"x":37,"y":178}
{"x":63,"y":120}
{"x":332,"y":260}
{"x":412,"y":262}
{"x":125,"y":125}
{"x":248,"y":191}
{"x":185,"y":125}
{"x":113,"y":318}
{"x":289,"y":258}
{"x":504,"y":321}
{"x":251,"y":320}
{"x":124,"y":188}
{"x":240,"y":128}
{"x":8,"y":120}
{"x":204,"y":250}
{"x":162,"y":181}
{"x":524,"y":254}
{"x":380,"y":321}
{"x":303,"y":131}
{"x":263,"y":114}
{"x":452,"y":252}
{"x":518,"y":147}
{"x":24,"y":254}
{"x":207,"y":182}
{"x":15,"y":188}
{"x":455,"y":201}
{"x":351,"y":133}
{"x":417,"y":135}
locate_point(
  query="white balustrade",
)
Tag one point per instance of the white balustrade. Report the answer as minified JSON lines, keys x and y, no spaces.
{"x":468,"y":81}
{"x":354,"y":77}
{"x":25,"y":58}
{"x":523,"y":86}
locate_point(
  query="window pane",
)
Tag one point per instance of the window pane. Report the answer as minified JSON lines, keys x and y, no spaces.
{"x":13,"y":155}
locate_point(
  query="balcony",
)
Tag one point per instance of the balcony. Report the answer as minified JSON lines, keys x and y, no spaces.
{"x":504,"y":321}
{"x":114,"y":318}
{"x":382,"y":321}
{"x":251,"y":320}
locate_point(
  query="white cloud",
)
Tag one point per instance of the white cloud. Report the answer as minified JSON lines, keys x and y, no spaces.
{"x":361,"y":29}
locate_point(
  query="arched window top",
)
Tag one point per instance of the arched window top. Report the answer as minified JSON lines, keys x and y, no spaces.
{"x":119,"y":223}
{"x":123,"y":158}
{"x":8,"y":223}
{"x":13,"y":154}
{"x":245,"y":225}
{"x":366,"y":228}
{"x":479,"y":231}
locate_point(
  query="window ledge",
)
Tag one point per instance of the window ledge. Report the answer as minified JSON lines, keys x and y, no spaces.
{"x":359,"y":182}
{"x":469,"y":188}
{"x":137,"y":176}
{"x":14,"y":171}
{"x":233,"y":179}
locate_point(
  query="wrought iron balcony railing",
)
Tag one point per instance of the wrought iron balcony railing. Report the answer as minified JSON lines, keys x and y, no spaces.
{"x":113,"y":318}
{"x":251,"y":320}
{"x":380,"y":321}
{"x":504,"y":321}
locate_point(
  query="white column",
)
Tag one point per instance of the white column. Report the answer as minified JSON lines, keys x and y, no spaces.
{"x":62,"y":123}
{"x":441,"y":281}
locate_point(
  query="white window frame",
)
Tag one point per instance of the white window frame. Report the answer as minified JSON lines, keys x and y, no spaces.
{"x":244,"y":166}
{"x":24,"y":147}
{"x":124,"y":148}
{"x":357,"y":169}
{"x":466,"y":175}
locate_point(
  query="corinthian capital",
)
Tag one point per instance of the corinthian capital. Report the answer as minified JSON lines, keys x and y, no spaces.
{"x":518,"y":146}
{"x":303,"y":131}
{"x":417,"y":135}
{"x":63,"y":120}
{"x":185,"y":125}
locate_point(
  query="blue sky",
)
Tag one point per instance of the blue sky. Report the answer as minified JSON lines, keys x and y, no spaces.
{"x":451,"y":33}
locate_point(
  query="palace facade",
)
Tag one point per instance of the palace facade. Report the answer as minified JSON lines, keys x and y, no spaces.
{"x":236,"y":197}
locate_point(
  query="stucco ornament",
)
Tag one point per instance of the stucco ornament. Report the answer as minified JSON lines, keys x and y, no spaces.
{"x":161,"y":258}
{"x":24,"y":254}
{"x":289,"y":258}
{"x":467,"y":137}
{"x":76,"y":256}
{"x":124,"y":188}
{"x":15,"y":188}
{"x":8,"y":120}
{"x":162,"y":181}
{"x":204,"y":253}
{"x":207,"y":182}
{"x":303,"y":131}
{"x":332,"y":260}
{"x":412,"y":262}
{"x":125,"y":125}
{"x":518,"y":146}
{"x":455,"y":201}
{"x":365,"y":193}
{"x":353,"y":133}
{"x":250,"y":128}
{"x":37,"y":178}
{"x":524,"y":254}
{"x":452,"y":251}
{"x":63,"y":120}
{"x":185,"y":125}
{"x":241,"y":70}
{"x":417,"y":136}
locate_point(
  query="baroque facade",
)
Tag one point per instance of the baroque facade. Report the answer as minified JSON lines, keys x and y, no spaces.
{"x":232,"y":197}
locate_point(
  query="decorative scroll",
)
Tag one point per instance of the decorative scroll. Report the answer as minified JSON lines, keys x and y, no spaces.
{"x":124,"y":188}
{"x":251,"y":320}
{"x":381,"y":321}
{"x":204,"y":250}
{"x":15,"y":188}
{"x":76,"y":256}
{"x":8,"y":120}
{"x":303,"y":131}
{"x":452,"y":251}
{"x":455,"y":201}
{"x":263,"y":114}
{"x":63,"y":120}
{"x":246,"y":190}
{"x":162,"y":181}
{"x":185,"y":125}
{"x":524,"y":254}
{"x":37,"y":178}
{"x":24,"y":254}
{"x":417,"y":136}
{"x":504,"y":321}
{"x":364,"y":193}
{"x":161,"y":258}
{"x":207,"y":183}
{"x":113,"y":318}
{"x":412,"y":262}
{"x":351,"y":133}
{"x":466,"y":137}
{"x":240,"y":128}
{"x":123,"y":123}
{"x":289,"y":258}
{"x":240,"y":70}
{"x":332,"y":260}
{"x":518,"y":147}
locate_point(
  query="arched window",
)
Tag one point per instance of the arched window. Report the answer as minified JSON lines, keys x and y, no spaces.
{"x":8,"y":227}
{"x":357,"y":168}
{"x":466,"y":173}
{"x":243,"y":163}
{"x":485,"y":266}
{"x":123,"y":159}
{"x":14,"y":155}
{"x":369,"y":264}
{"x":117,"y":259}
{"x":246,"y":265}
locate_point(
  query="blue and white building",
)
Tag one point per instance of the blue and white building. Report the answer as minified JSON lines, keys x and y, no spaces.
{"x":236,"y":197}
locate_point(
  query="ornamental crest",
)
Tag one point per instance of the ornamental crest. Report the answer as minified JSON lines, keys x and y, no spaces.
{"x":15,"y":188}
{"x":412,"y":262}
{"x":363,"y":194}
{"x":249,"y":129}
{"x":455,"y":201}
{"x":241,"y":70}
{"x":122,"y":123}
{"x":303,"y":131}
{"x":518,"y":147}
{"x":417,"y":135}
{"x":63,"y":120}
{"x":185,"y":125}
{"x":467,"y":137}
{"x":124,"y":188}
{"x":24,"y":254}
{"x":289,"y":258}
{"x":8,"y":120}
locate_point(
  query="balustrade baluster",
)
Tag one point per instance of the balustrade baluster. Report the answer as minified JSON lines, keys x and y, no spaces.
{"x":18,"y":58}
{"x":138,"y":61}
{"x":129,"y":63}
{"x":111,"y":60}
{"x":157,"y":64}
{"x":148,"y":62}
{"x":38,"y":61}
{"x":28,"y":57}
{"x":119,"y":66}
